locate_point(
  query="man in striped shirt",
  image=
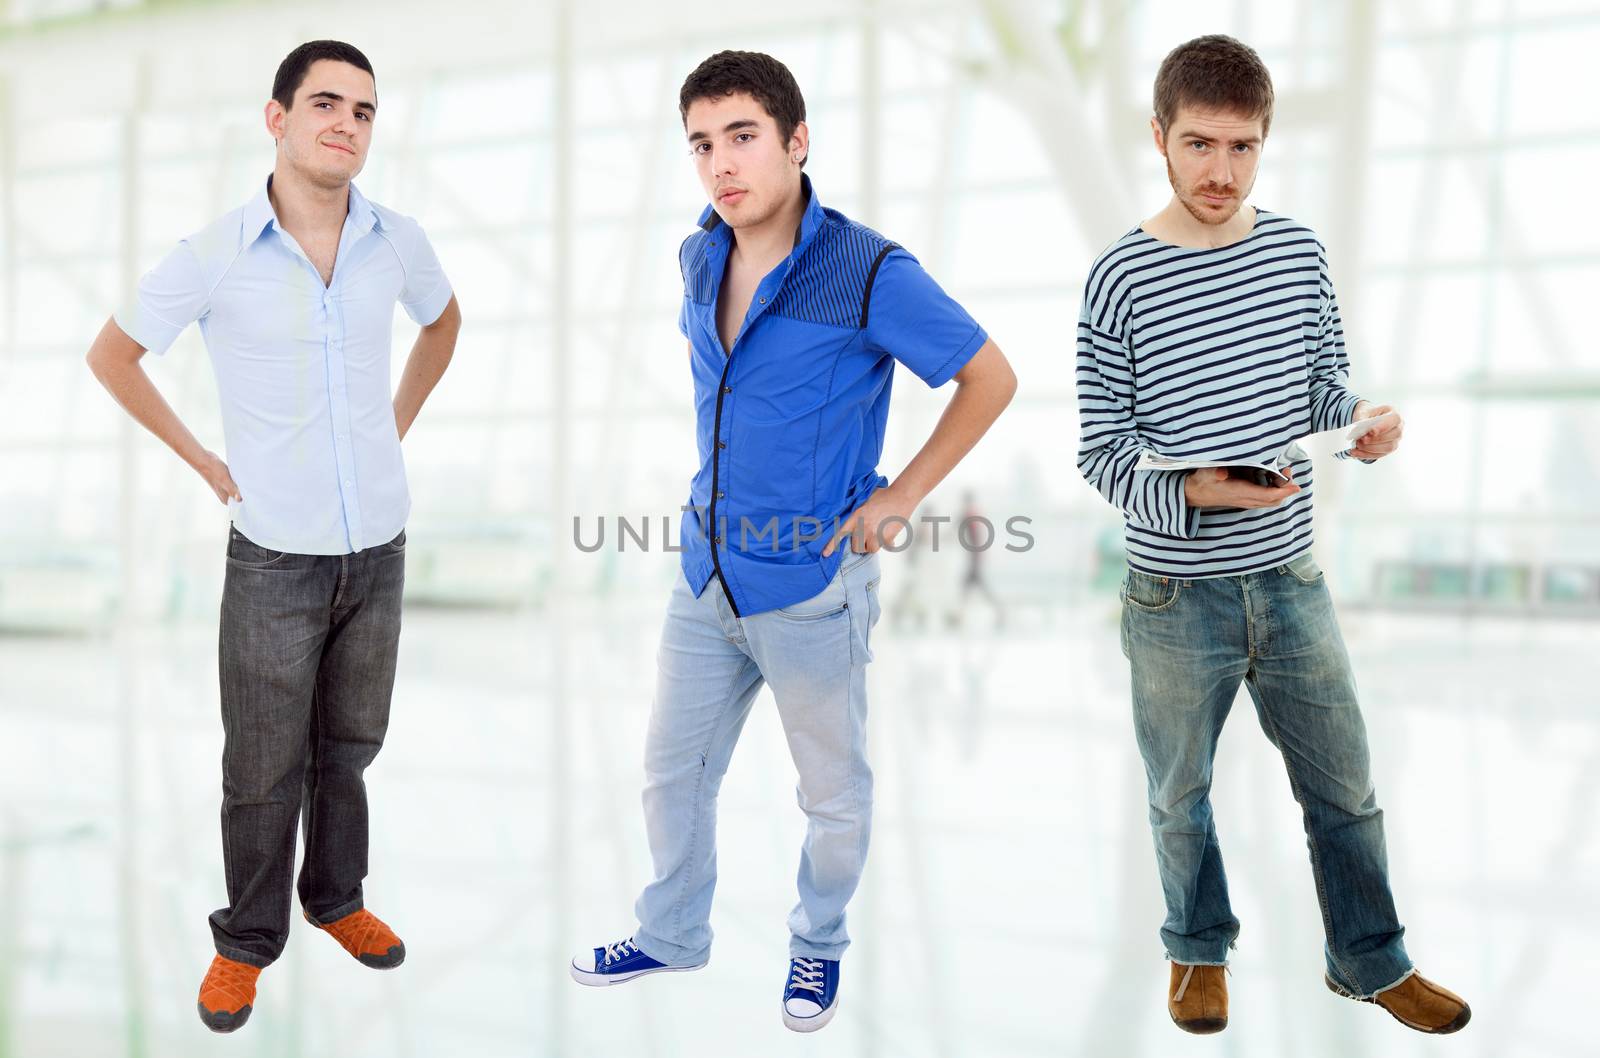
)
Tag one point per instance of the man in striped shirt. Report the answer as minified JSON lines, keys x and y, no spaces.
{"x":1211,"y":332}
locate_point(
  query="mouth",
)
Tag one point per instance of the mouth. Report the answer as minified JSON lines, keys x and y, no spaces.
{"x":337,"y":147}
{"x":731,"y":195}
{"x":1217,"y":200}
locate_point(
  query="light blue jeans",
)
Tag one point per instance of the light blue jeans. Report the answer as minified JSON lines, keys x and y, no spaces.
{"x":711,"y":664}
{"x":1191,"y":643}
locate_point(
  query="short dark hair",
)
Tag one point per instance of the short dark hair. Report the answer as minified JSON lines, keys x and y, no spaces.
{"x":763,"y":78}
{"x":292,"y":70}
{"x":1215,"y":72}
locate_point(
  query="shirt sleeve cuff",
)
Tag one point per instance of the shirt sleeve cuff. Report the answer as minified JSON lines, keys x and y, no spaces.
{"x":949,"y":369}
{"x":425,"y":310}
{"x":152,"y":332}
{"x":1346,"y":414}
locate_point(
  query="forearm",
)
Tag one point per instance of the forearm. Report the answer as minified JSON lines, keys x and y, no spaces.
{"x":430,"y":355}
{"x":131,"y":387}
{"x":968,"y":416}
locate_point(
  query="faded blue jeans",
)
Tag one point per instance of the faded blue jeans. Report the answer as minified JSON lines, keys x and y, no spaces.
{"x":711,"y":664}
{"x":1190,"y":643}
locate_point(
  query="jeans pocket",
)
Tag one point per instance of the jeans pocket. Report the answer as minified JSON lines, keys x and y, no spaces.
{"x":398,"y":543}
{"x":247,"y":554}
{"x":1141,"y":591}
{"x":829,"y":602}
{"x":1305,"y":569}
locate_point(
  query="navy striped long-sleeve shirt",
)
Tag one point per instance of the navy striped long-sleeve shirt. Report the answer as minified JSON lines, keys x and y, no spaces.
{"x":1219,"y":354}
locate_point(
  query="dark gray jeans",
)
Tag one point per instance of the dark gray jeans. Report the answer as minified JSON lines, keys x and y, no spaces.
{"x":307,"y":660}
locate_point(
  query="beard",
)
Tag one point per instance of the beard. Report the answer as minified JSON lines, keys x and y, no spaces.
{"x":1203,"y":211}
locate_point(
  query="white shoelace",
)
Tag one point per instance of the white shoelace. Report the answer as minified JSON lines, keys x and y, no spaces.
{"x":620,"y":950}
{"x":1183,"y":985}
{"x":808,"y":975}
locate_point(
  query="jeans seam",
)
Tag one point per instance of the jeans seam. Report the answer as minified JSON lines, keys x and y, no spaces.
{"x":311,"y":809}
{"x":1311,"y":842}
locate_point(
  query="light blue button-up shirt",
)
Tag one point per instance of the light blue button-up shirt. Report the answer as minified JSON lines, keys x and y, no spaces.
{"x":302,"y":369}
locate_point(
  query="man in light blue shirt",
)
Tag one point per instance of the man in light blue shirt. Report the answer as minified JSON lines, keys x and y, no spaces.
{"x":294,"y":294}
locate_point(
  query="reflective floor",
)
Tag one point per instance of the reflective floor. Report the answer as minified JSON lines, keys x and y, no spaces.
{"x":1010,"y":905}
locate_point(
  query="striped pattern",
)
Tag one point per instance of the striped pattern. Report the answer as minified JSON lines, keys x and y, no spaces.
{"x":1227,"y":353}
{"x":828,"y":284}
{"x":698,"y":282}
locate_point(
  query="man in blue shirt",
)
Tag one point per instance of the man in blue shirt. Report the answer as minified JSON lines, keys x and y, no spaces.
{"x":295,"y":294}
{"x":795,"y":317}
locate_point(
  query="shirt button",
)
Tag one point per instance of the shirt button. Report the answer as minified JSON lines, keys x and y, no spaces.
{"x":763,"y":301}
{"x":727,"y":389}
{"x":347,"y":484}
{"x":722,"y":444}
{"x":722,"y":495}
{"x":716,"y":539}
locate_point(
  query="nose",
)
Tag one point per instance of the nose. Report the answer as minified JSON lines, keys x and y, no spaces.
{"x":722,"y":162}
{"x":1221,"y":172}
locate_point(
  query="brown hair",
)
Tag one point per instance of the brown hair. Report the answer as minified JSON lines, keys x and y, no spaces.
{"x":762,"y":77}
{"x":1217,"y":73}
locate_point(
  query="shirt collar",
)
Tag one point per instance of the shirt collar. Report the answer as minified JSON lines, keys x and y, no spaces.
{"x":810,"y":220}
{"x":258,"y":213}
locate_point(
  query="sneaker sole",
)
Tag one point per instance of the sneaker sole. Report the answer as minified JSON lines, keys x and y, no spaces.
{"x":1456,"y":1025}
{"x":590,"y":979}
{"x":395,"y":957}
{"x":222,"y":1020}
{"x":811,"y":1024}
{"x":1201,"y":1026}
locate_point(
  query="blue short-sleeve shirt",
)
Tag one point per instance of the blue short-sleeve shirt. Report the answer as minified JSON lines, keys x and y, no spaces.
{"x":790,"y":423}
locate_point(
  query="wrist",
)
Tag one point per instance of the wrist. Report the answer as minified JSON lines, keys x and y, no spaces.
{"x":905,"y":496}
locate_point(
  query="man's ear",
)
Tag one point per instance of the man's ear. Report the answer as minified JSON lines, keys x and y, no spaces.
{"x":800,"y":143}
{"x":1161,"y":140}
{"x":273,"y":115}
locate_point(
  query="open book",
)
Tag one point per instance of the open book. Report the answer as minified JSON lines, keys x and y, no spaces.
{"x":1269,"y":471}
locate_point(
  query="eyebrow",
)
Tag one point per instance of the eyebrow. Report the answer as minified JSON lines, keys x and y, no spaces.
{"x":741,"y":123}
{"x":361,"y":104}
{"x":1212,"y":139}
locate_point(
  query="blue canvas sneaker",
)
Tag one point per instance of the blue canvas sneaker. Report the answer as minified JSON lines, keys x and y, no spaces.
{"x":616,"y":963}
{"x":812,"y":994}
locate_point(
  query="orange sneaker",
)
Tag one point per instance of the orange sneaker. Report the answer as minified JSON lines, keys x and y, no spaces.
{"x":363,"y":934}
{"x":227,"y":993}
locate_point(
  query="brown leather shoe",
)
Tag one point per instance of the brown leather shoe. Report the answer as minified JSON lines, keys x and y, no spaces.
{"x":227,"y":993}
{"x":1197,"y":998}
{"x":364,"y":935}
{"x":1418,"y":1003}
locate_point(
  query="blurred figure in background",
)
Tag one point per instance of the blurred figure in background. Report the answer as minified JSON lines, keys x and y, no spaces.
{"x":976,"y":535}
{"x":294,"y":293}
